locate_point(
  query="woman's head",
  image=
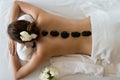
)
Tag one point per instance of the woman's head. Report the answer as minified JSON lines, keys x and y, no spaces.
{"x":17,"y":30}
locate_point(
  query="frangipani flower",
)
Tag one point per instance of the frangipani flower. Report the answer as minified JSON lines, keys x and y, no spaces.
{"x":25,"y":36}
{"x":49,"y":73}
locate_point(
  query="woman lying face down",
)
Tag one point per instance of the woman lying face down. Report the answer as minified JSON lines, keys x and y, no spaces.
{"x":52,"y":34}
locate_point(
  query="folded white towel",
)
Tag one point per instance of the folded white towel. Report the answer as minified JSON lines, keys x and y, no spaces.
{"x":73,"y":64}
{"x":26,"y":17}
{"x":24,"y":52}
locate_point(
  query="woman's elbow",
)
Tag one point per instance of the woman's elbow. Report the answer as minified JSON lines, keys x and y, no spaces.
{"x":17,"y":76}
{"x":16,"y":2}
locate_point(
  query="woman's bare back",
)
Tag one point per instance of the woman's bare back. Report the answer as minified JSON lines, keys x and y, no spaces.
{"x":62,"y":46}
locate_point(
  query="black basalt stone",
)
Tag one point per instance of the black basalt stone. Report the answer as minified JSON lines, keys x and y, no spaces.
{"x":54,"y":33}
{"x":44,"y":33}
{"x":64,"y":34}
{"x":86,"y":33}
{"x":75,"y":34}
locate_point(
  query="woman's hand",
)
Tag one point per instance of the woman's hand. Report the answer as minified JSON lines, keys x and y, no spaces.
{"x":12,"y":47}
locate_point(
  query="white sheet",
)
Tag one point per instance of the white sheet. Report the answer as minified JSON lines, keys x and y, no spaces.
{"x":71,"y":9}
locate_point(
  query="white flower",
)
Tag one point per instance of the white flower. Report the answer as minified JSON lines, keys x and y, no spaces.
{"x":25,"y":36}
{"x":53,"y":72}
{"x":44,"y":76}
{"x":48,"y":73}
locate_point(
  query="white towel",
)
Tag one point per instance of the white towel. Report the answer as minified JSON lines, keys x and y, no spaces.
{"x":76,"y":63}
{"x":26,"y":17}
{"x":24,"y":52}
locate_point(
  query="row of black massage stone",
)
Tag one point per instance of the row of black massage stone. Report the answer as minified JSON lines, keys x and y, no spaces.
{"x":65,"y":34}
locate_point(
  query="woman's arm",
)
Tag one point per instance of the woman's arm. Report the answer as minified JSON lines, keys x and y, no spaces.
{"x":15,"y":64}
{"x":22,"y":7}
{"x":37,"y":59}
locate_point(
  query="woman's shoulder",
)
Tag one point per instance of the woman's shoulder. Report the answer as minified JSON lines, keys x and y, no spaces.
{"x":43,"y":19}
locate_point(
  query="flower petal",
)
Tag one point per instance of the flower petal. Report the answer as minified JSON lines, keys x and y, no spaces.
{"x":33,"y":36}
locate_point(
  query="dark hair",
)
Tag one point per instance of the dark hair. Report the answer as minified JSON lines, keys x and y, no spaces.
{"x":16,"y":27}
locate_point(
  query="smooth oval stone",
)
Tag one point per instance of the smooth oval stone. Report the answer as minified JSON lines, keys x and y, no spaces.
{"x":75,"y":34}
{"x":54,"y":33}
{"x":44,"y":33}
{"x":86,"y":33}
{"x":64,"y":34}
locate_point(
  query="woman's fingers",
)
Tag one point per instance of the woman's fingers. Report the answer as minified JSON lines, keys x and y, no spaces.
{"x":12,"y":48}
